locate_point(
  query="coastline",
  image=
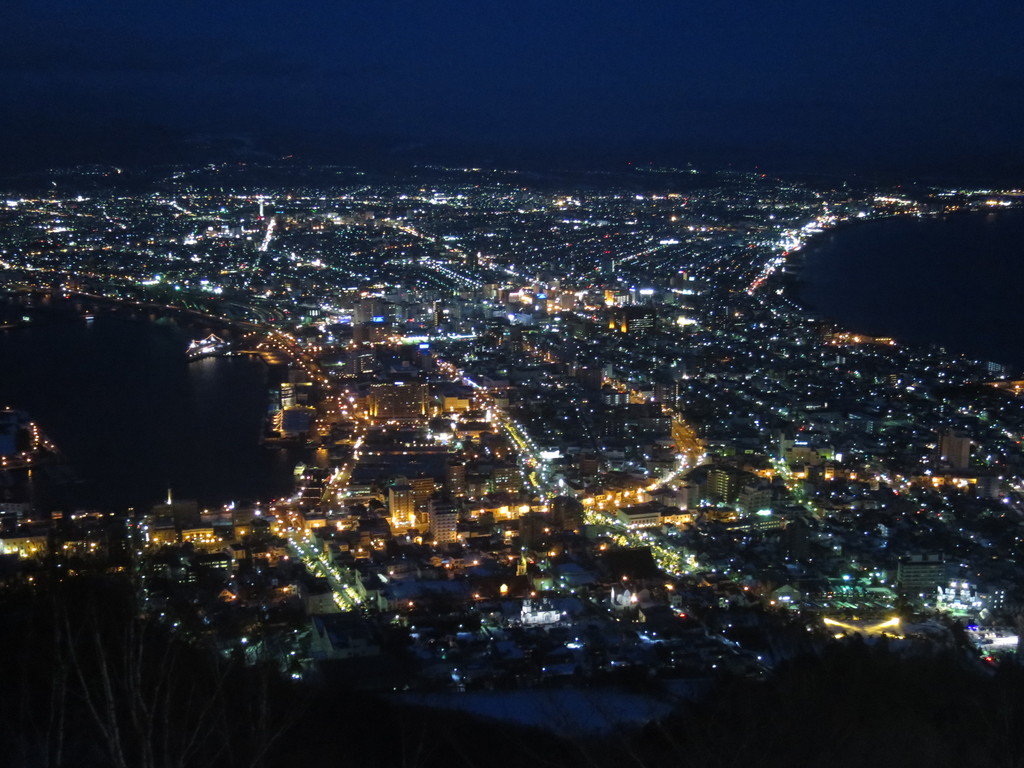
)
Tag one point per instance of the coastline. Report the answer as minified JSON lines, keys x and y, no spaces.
{"x":791,"y":283}
{"x":129,"y":433}
{"x":791,"y":277}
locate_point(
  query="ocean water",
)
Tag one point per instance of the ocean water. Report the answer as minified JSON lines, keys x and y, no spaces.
{"x":956,"y":281}
{"x":132,"y":417}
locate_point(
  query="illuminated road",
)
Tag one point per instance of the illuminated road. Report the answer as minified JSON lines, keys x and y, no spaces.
{"x":670,"y":557}
{"x":271,"y":224}
{"x":795,"y":486}
{"x":302,"y":544}
{"x":345,"y":594}
{"x":431,"y":264}
{"x":535,"y":468}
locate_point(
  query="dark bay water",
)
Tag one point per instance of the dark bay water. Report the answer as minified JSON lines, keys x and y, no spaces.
{"x":956,"y":281}
{"x":132,"y":417}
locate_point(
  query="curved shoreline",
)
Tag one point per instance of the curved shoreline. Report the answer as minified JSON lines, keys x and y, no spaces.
{"x":792,"y":281}
{"x":221,"y":450}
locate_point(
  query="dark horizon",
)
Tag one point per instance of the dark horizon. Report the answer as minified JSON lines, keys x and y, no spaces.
{"x":923,"y":89}
{"x":151,"y":145}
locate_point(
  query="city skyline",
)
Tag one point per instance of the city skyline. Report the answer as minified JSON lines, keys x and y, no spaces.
{"x":563,"y":445}
{"x":570,"y":384}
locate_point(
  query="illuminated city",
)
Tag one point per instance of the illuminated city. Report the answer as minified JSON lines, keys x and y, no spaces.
{"x":538,"y":468}
{"x":420,"y":390}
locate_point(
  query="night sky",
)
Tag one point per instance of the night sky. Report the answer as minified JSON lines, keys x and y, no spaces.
{"x":868,"y":85}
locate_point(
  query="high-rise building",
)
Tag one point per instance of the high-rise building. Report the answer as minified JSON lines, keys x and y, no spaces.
{"x":443,"y":520}
{"x":955,"y":450}
{"x":402,"y":506}
{"x":534,"y":527}
{"x":455,"y":478}
{"x":422,"y":489}
{"x":921,"y":574}
{"x":371,"y":332}
{"x":373,"y":310}
{"x":398,"y":400}
{"x":505,"y":478}
{"x":636,"y":321}
{"x":567,"y":513}
{"x":722,"y":484}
